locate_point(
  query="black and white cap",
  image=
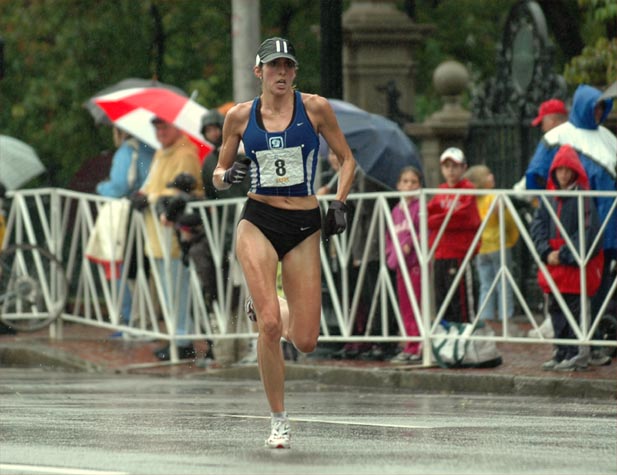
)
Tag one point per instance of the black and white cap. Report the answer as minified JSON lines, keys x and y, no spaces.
{"x":274,"y":48}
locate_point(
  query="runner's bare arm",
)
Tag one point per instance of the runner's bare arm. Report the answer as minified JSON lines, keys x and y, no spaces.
{"x":324,"y":120}
{"x":233,"y":126}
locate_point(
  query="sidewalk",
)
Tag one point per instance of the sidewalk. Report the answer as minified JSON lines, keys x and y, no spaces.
{"x":86,"y":348}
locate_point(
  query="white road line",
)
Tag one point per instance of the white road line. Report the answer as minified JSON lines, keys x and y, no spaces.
{"x":342,"y":423}
{"x":5,"y":468}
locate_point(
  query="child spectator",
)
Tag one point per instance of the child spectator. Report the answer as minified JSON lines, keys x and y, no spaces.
{"x":567,"y":173}
{"x":410,"y":179}
{"x":457,"y":237}
{"x":488,"y":260}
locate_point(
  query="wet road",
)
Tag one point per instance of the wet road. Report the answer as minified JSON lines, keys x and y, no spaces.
{"x":88,"y":424}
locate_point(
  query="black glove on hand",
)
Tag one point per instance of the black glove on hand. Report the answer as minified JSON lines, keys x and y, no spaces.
{"x":336,"y":218}
{"x":237,"y":172}
{"x":139,"y":201}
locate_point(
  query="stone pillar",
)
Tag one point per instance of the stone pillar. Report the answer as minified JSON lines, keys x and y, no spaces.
{"x":447,"y":127}
{"x":378,"y":44}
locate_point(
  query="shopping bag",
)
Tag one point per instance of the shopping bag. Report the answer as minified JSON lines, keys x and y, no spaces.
{"x":106,"y":243}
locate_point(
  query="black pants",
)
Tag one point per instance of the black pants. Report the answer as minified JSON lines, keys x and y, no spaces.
{"x":562,"y":328}
{"x":461,"y":307}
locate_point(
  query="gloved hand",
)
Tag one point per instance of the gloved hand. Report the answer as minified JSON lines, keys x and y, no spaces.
{"x":336,"y":218}
{"x":139,"y":201}
{"x":237,"y":172}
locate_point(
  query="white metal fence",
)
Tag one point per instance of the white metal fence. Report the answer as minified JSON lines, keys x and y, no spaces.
{"x":356,"y":281}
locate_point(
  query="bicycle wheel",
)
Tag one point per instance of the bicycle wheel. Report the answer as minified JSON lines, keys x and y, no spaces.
{"x":33,"y":287}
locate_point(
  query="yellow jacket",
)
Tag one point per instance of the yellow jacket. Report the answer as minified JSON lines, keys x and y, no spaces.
{"x":490,"y":236}
{"x":181,"y":157}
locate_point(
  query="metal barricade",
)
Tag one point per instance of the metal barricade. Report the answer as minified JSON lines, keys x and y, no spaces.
{"x":356,"y":280}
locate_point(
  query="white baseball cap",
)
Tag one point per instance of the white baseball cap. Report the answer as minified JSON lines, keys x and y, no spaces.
{"x":454,"y":154}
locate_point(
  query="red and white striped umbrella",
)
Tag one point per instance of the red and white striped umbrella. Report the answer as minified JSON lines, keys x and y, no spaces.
{"x":133,"y":109}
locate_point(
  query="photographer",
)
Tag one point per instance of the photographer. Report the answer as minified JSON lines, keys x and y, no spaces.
{"x":192,"y":239}
{"x":177,"y":155}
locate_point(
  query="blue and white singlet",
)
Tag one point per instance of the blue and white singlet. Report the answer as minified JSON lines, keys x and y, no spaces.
{"x":282,"y":163}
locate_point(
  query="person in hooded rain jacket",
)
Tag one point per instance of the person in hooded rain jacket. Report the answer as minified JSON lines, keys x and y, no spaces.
{"x":596,"y":147}
{"x":567,"y":173}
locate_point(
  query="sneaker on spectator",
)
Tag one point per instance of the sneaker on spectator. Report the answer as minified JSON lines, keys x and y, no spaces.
{"x":599,"y":358}
{"x":572,"y":364}
{"x":405,"y":358}
{"x":550,"y":365}
{"x":280,"y":435}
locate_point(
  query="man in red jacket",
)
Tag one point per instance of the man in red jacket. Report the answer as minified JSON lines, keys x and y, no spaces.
{"x":460,"y":230}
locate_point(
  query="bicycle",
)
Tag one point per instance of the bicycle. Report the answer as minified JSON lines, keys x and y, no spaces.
{"x":33,"y":287}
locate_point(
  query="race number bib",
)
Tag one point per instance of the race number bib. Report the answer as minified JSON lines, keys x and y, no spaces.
{"x":280,"y":167}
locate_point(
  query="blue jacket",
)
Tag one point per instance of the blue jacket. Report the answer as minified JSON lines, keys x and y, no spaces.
{"x":118,"y":186}
{"x":596,"y":147}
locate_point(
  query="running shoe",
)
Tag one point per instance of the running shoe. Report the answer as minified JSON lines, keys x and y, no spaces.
{"x":280,"y":436}
{"x":249,"y":309}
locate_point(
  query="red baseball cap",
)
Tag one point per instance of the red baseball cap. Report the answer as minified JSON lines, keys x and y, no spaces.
{"x":552,"y":106}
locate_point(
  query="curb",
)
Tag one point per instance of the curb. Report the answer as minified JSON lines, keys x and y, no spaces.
{"x":43,"y":357}
{"x":438,"y":382}
{"x":426,"y":381}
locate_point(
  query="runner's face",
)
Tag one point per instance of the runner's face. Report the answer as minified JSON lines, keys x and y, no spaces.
{"x":278,"y":75}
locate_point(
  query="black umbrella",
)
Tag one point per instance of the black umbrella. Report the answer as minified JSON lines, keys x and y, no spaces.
{"x":99,"y":115}
{"x":379,"y":146}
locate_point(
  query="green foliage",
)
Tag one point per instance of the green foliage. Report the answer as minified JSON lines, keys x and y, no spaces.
{"x":597,"y":63}
{"x":59,"y":53}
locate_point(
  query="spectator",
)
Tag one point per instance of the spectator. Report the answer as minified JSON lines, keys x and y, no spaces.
{"x":488,"y":261}
{"x":566,"y":173}
{"x":129,"y":169}
{"x":360,"y":211}
{"x":410,"y":179}
{"x":457,"y":237}
{"x":193,"y":243}
{"x":176,"y":156}
{"x":551,"y":113}
{"x":597,"y":149}
{"x":212,"y":130}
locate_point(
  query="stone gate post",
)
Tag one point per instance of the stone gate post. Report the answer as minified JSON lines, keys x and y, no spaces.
{"x":448,"y":127}
{"x":378,"y":51}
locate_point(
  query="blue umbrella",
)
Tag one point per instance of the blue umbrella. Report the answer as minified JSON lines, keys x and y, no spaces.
{"x":378,"y":144}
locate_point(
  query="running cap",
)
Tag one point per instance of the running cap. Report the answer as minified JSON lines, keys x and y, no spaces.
{"x":552,"y":106}
{"x":274,"y":48}
{"x":454,"y":154}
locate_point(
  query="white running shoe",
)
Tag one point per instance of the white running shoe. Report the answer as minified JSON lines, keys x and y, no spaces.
{"x":249,"y":309}
{"x":280,"y":436}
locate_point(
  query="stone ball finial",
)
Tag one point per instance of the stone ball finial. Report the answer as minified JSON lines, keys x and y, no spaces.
{"x":450,"y":78}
